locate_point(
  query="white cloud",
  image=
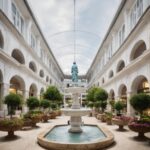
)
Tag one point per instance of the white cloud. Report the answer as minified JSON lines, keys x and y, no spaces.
{"x":56,"y":16}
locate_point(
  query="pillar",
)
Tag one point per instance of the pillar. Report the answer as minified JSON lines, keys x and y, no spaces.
{"x":130,"y":110}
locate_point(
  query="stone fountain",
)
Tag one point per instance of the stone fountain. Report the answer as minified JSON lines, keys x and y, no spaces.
{"x":75,"y":112}
{"x":91,"y":137}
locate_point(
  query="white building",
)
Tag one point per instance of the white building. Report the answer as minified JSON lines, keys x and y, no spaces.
{"x":122,"y":64}
{"x":27,"y":65}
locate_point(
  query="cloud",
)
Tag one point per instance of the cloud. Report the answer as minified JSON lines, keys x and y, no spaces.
{"x":93,"y":18}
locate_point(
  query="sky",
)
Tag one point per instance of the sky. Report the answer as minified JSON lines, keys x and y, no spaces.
{"x":92,"y":20}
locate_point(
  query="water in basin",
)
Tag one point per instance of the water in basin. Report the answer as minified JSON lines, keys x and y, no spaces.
{"x":60,"y":134}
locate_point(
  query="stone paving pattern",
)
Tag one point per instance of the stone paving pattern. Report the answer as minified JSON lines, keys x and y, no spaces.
{"x":27,"y":140}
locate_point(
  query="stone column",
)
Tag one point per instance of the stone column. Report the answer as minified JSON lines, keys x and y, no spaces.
{"x":5,"y":91}
{"x":130,"y":110}
{"x":25,"y":96}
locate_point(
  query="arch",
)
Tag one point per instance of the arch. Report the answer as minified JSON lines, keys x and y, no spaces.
{"x":112,"y":95}
{"x":138,"y":50}
{"x":17,"y":85}
{"x":33,"y":90}
{"x":1,"y":40}
{"x":120,"y":65}
{"x":111,"y":74}
{"x":32,"y":66}
{"x":17,"y":55}
{"x":122,"y":93}
{"x":41,"y":73}
{"x":47,"y":78}
{"x":140,"y":85}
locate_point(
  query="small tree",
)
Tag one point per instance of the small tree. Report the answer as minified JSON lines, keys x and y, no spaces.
{"x":112,"y":104}
{"x":32,"y":103}
{"x":91,"y":93}
{"x":45,"y":103}
{"x":53,"y":94}
{"x":118,"y":107}
{"x":100,"y":96}
{"x":12,"y":100}
{"x":140,"y":102}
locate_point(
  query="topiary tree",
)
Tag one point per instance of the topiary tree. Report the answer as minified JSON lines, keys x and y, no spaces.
{"x":45,"y":103}
{"x":32,"y":103}
{"x":118,"y":107}
{"x":140,"y":102}
{"x":53,"y":94}
{"x":91,"y":93}
{"x":12,"y":100}
{"x":100,"y":96}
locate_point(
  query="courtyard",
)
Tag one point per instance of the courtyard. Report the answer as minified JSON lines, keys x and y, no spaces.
{"x":27,"y":140}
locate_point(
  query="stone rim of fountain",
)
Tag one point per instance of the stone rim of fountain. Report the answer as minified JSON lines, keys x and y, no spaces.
{"x":92,"y":145}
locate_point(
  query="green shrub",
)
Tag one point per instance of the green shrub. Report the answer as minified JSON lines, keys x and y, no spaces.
{"x":140,"y":102}
{"x":12,"y":100}
{"x":100,"y":95}
{"x":45,"y":103}
{"x":32,"y":103}
{"x":91,"y":93}
{"x":10,"y":123}
{"x":118,"y":106}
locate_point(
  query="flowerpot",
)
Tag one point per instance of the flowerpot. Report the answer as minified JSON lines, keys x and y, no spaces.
{"x":120,"y":123}
{"x":10,"y":126}
{"x":45,"y":118}
{"x":141,"y":128}
{"x":109,"y":121}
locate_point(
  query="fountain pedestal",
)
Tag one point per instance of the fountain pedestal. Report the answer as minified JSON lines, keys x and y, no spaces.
{"x":75,"y":112}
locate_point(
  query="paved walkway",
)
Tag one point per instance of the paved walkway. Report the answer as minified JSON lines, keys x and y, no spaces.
{"x":27,"y":140}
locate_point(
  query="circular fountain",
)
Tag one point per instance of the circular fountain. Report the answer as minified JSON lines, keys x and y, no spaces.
{"x":76,"y":135}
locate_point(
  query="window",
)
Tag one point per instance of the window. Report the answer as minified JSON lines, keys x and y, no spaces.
{"x":17,"y":19}
{"x":121,"y":34}
{"x":136,"y":12}
{"x":33,"y":41}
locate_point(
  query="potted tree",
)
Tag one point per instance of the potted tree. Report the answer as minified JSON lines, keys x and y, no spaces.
{"x":45,"y":104}
{"x":13,"y":124}
{"x":54,"y":96}
{"x":33,"y":116}
{"x":100,"y":97}
{"x":120,"y":120}
{"x":140,"y":102}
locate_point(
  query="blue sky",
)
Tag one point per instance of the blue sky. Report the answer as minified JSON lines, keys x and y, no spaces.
{"x":56,"y":19}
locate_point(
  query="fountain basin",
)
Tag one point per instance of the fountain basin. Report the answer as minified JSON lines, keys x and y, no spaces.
{"x":96,"y":138}
{"x":75,"y":112}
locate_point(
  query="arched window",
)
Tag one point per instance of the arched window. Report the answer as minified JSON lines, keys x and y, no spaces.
{"x":17,"y":55}
{"x":32,"y":66}
{"x":120,"y":65}
{"x":140,"y":85}
{"x":17,"y":85}
{"x":33,"y":90}
{"x":41,"y":73}
{"x":111,"y":74}
{"x":138,"y":50}
{"x":47,"y":79}
{"x":103,"y":80}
